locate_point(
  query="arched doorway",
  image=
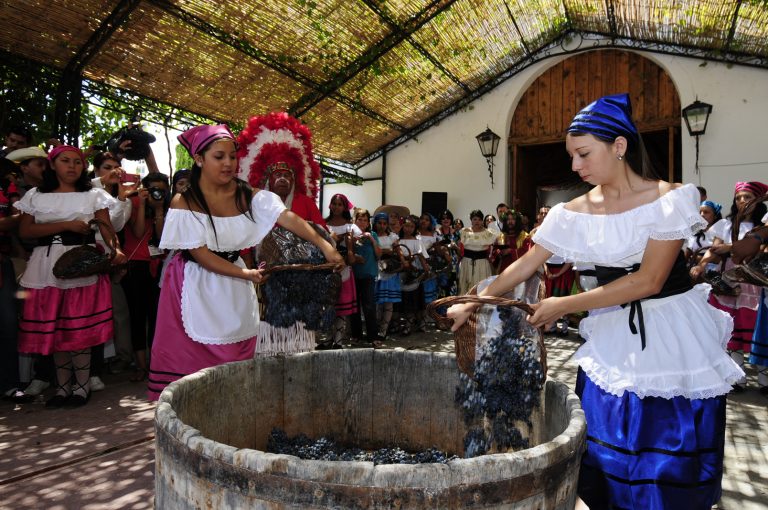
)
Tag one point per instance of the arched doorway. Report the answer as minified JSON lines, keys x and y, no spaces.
{"x":539,"y":164}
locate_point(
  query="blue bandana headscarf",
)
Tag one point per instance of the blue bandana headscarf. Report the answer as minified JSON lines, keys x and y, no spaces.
{"x":380,"y":216}
{"x":607,"y":118}
{"x":713,"y":205}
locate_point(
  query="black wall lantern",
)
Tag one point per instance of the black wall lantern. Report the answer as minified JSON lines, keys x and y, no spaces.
{"x":696,"y":116}
{"x":489,"y":144}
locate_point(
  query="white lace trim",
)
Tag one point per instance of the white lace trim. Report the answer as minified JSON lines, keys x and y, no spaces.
{"x":659,"y":385}
{"x":96,"y":199}
{"x":711,"y":381}
{"x":696,"y":223}
{"x":179,"y":245}
{"x":186,"y":313}
{"x":634,"y":226}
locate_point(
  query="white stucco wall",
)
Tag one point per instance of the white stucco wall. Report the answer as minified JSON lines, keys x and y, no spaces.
{"x":446,"y":157}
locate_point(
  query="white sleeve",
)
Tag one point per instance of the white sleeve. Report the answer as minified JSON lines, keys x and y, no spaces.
{"x":266,"y":208}
{"x":183,"y":230}
{"x":677,"y":215}
{"x":120,"y":214}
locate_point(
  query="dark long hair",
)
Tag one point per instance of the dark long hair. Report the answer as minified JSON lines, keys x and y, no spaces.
{"x":51,"y":182}
{"x":194,"y":195}
{"x":518,"y":223}
{"x":757,"y":213}
{"x":345,"y":213}
{"x":99,"y":160}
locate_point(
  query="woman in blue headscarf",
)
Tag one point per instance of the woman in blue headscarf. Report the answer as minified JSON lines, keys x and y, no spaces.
{"x":697,"y":243}
{"x":653,"y":374}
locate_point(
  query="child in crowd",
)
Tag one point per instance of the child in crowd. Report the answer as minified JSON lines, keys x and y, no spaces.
{"x":387,"y":291}
{"x":366,"y":246}
{"x":339,"y":222}
{"x":65,"y":317}
{"x":412,"y":304}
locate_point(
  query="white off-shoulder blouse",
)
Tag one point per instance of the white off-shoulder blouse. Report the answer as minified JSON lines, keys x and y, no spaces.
{"x":218,"y":309}
{"x":686,"y":337}
{"x":53,"y":208}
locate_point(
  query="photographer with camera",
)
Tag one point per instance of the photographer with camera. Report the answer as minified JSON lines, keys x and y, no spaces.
{"x":142,"y":237}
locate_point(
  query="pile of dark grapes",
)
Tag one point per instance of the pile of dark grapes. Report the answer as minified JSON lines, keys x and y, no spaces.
{"x":326,"y":449}
{"x":505,"y":389}
{"x":308,"y":296}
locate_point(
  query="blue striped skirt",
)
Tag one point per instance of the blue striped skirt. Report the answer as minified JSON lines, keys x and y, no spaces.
{"x":430,"y":290}
{"x":650,"y":453}
{"x":759,"y":348}
{"x":388,"y":291}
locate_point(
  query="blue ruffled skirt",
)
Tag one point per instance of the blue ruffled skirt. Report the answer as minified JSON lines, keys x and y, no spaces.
{"x":650,"y":453}
{"x":430,"y":290}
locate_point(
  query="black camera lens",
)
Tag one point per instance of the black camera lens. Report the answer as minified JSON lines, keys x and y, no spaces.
{"x":157,"y":193}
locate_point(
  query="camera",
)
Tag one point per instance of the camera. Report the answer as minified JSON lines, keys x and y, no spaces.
{"x":157,"y":193}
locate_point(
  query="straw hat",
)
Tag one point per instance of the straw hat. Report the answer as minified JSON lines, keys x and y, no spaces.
{"x":400,"y":210}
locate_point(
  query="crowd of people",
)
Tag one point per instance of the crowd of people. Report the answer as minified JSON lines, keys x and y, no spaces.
{"x":185,"y":256}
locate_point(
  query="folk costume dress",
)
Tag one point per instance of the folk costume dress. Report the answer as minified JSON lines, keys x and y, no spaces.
{"x":204,"y":318}
{"x":63,"y":315}
{"x":653,"y":374}
{"x":743,"y":308}
{"x":388,"y":288}
{"x":430,"y":283}
{"x":347,"y":302}
{"x":475,"y":266}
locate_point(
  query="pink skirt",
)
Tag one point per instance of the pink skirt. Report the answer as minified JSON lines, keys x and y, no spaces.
{"x":347,"y":303}
{"x":61,"y":320}
{"x":744,"y":320}
{"x":174,"y":354}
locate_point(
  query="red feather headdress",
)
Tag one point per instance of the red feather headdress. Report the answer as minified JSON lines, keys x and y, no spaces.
{"x":278,"y":138}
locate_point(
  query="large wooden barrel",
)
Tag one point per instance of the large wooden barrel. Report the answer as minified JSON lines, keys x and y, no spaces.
{"x":212,"y":428}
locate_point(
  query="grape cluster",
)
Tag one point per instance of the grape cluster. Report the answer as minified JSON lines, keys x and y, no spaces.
{"x":325,"y":449}
{"x":508,"y":378}
{"x":308,"y":296}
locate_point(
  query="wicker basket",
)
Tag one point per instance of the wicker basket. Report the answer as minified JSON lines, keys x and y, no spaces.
{"x":86,"y":260}
{"x":465,"y":338}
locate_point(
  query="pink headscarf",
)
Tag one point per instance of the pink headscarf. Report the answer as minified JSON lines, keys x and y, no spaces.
{"x":348,"y":201}
{"x":756,"y":188}
{"x":64,"y":148}
{"x":198,"y":137}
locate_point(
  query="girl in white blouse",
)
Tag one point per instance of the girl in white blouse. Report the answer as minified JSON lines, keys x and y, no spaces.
{"x":653,"y":373}
{"x":208,"y":312}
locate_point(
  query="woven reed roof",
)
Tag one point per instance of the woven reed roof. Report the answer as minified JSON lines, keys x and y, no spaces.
{"x":363,"y":74}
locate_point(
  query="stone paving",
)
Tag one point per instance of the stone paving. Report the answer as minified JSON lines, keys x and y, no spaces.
{"x":102,"y":456}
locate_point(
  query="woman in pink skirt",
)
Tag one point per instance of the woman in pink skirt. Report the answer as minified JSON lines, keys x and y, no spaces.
{"x":208,"y":312}
{"x":339,"y":221}
{"x":65,"y":317}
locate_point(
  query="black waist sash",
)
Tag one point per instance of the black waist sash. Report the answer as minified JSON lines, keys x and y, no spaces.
{"x":67,"y":238}
{"x":230,"y":256}
{"x":476,"y":255}
{"x":679,"y":281}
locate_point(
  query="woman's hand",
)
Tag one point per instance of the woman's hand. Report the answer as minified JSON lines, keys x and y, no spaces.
{"x":720,"y":249}
{"x":696,"y":272}
{"x":547,"y":312}
{"x":78,"y":227}
{"x":112,"y":177}
{"x":254,"y":275}
{"x":333,"y":256}
{"x":460,"y":314}
{"x":119,"y":258}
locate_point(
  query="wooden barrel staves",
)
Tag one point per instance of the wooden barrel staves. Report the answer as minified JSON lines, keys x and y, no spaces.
{"x":212,"y":428}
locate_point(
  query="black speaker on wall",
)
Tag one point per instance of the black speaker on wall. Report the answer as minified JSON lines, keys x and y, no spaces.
{"x":434,"y":202}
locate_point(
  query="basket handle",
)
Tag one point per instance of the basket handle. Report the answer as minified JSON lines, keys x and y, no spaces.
{"x":485,"y":300}
{"x":303,"y":267}
{"x":95,"y":222}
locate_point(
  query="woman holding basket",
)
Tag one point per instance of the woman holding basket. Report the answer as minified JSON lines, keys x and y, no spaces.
{"x":208,"y":314}
{"x":655,"y":348}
